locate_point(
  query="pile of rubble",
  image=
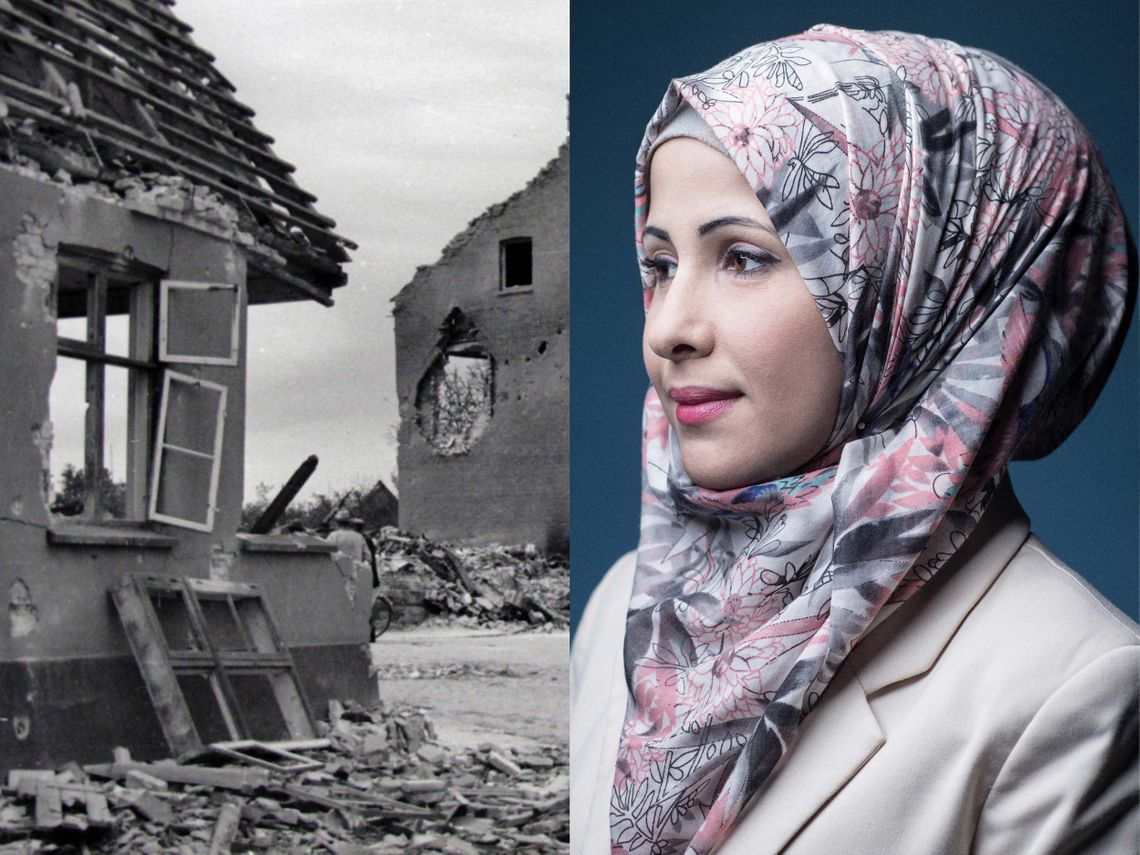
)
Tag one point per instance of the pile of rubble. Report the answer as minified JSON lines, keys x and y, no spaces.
{"x":376,"y":782}
{"x":483,"y":585}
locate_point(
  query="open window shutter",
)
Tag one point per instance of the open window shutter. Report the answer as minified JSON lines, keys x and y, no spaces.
{"x":191,"y":423}
{"x":198,"y":322}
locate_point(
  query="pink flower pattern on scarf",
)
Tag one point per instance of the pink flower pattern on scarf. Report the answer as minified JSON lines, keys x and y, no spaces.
{"x":969,"y":256}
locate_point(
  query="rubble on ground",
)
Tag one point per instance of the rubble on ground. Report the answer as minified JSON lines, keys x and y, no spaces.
{"x":471,"y":585}
{"x":376,"y":782}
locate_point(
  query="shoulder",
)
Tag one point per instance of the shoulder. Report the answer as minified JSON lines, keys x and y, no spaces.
{"x":1050,"y":609}
{"x":601,"y":631}
{"x":1065,"y":663}
{"x":1069,"y":780}
{"x":1037,"y":628}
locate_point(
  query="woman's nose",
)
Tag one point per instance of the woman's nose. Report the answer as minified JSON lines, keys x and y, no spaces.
{"x":678,"y":326}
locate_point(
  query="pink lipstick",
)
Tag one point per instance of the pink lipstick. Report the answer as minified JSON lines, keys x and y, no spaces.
{"x":698,"y":404}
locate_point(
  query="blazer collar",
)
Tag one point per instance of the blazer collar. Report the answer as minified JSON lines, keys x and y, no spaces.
{"x":910,"y":640}
{"x":835,"y":741}
{"x":841,"y":734}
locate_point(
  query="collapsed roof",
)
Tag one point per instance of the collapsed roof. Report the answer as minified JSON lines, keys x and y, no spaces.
{"x":114,"y":94}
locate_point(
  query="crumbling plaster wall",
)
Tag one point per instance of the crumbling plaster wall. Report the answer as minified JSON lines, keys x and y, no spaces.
{"x":64,"y":580}
{"x":69,"y":687}
{"x":511,"y":486}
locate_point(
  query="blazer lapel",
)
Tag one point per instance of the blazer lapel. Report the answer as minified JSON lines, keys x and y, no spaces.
{"x":841,"y":734}
{"x":910,"y":640}
{"x":836,"y":739}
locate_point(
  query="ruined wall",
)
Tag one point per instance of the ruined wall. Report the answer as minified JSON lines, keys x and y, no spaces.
{"x":69,"y":688}
{"x":509,"y":485}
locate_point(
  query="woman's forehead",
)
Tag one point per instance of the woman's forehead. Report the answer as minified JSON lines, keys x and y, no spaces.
{"x":692,"y":183}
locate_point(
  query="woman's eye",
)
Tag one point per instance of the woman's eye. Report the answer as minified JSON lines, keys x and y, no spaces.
{"x":745,"y":261}
{"x":659,"y":269}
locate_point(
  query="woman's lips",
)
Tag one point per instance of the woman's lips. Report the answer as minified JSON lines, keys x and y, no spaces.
{"x":698,"y":404}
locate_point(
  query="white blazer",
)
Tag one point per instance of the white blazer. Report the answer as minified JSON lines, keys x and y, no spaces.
{"x":994,"y":714}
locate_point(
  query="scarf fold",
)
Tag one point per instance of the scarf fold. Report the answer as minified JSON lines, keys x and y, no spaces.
{"x":961,"y":237}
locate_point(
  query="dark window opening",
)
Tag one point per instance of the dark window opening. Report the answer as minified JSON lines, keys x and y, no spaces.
{"x":515,"y":263}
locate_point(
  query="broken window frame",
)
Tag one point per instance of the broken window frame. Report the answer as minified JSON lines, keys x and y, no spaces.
{"x":161,"y":446}
{"x":429,"y":406}
{"x":104,"y":271}
{"x":164,"y":315}
{"x":505,"y":245}
{"x":265,"y":655}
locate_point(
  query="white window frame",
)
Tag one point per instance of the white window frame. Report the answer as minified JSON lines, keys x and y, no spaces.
{"x":160,"y":445}
{"x":164,"y":355}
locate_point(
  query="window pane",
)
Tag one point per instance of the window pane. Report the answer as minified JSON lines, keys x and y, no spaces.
{"x":202,"y":701}
{"x":192,"y":416}
{"x":115,"y":404}
{"x":71,"y":300}
{"x":224,"y":632}
{"x":174,"y":620}
{"x":68,"y":412}
{"x":118,"y":335}
{"x":199,"y":322}
{"x":184,"y":487}
{"x":259,"y":707}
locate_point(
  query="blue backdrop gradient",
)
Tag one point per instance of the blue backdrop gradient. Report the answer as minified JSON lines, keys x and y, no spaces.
{"x":1083,"y":499}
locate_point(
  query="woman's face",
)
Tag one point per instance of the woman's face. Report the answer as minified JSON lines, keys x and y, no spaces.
{"x":734,"y":344}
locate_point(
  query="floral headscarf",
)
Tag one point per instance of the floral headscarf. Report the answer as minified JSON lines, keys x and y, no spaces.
{"x":969,"y":256}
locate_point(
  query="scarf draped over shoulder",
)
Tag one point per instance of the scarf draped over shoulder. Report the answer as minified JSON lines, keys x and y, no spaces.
{"x":961,"y":237}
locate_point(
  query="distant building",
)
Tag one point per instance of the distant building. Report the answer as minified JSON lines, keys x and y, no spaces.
{"x":142,"y":214}
{"x":482,"y":363}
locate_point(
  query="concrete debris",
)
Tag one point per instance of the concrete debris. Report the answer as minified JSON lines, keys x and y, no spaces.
{"x":449,"y":671}
{"x":383,"y":785}
{"x":35,"y":153}
{"x":471,"y":585}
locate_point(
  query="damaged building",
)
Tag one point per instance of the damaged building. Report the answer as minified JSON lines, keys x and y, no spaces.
{"x":143,"y":214}
{"x":482,"y":360}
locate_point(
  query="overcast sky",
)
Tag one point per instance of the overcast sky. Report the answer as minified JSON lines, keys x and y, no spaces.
{"x":406,"y":120}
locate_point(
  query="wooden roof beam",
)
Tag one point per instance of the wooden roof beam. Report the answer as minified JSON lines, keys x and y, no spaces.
{"x":232,"y":122}
{"x":178,"y":169}
{"x":118,"y":45}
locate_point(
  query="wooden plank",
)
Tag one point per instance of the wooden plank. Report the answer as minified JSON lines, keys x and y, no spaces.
{"x":284,"y":744}
{"x":137,"y":616}
{"x":226,"y":829}
{"x":226,"y":777}
{"x":49,"y":808}
{"x":222,"y":588}
{"x":34,"y":43}
{"x":147,"y":805}
{"x":102,"y":34}
{"x":93,"y":430}
{"x":98,"y":814}
{"x":243,"y":750}
{"x":27,"y":781}
{"x":140,"y":388}
{"x":81,"y":350}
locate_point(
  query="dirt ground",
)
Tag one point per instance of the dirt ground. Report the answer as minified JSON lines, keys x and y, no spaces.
{"x":479,"y":685}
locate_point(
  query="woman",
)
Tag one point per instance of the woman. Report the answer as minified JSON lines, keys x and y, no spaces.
{"x":878,"y":267}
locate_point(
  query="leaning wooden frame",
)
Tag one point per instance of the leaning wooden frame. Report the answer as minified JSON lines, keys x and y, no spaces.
{"x":210,"y":656}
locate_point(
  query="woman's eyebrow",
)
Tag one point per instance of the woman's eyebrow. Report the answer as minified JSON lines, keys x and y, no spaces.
{"x":720,"y":222}
{"x":660,"y":234}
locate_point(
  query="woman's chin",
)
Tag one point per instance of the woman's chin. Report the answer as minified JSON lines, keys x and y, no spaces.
{"x":725,"y":477}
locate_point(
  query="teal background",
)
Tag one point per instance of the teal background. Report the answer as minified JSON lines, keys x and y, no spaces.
{"x":1083,"y":499}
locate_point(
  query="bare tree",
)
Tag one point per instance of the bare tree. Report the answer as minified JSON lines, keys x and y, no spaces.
{"x":462,"y":403}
